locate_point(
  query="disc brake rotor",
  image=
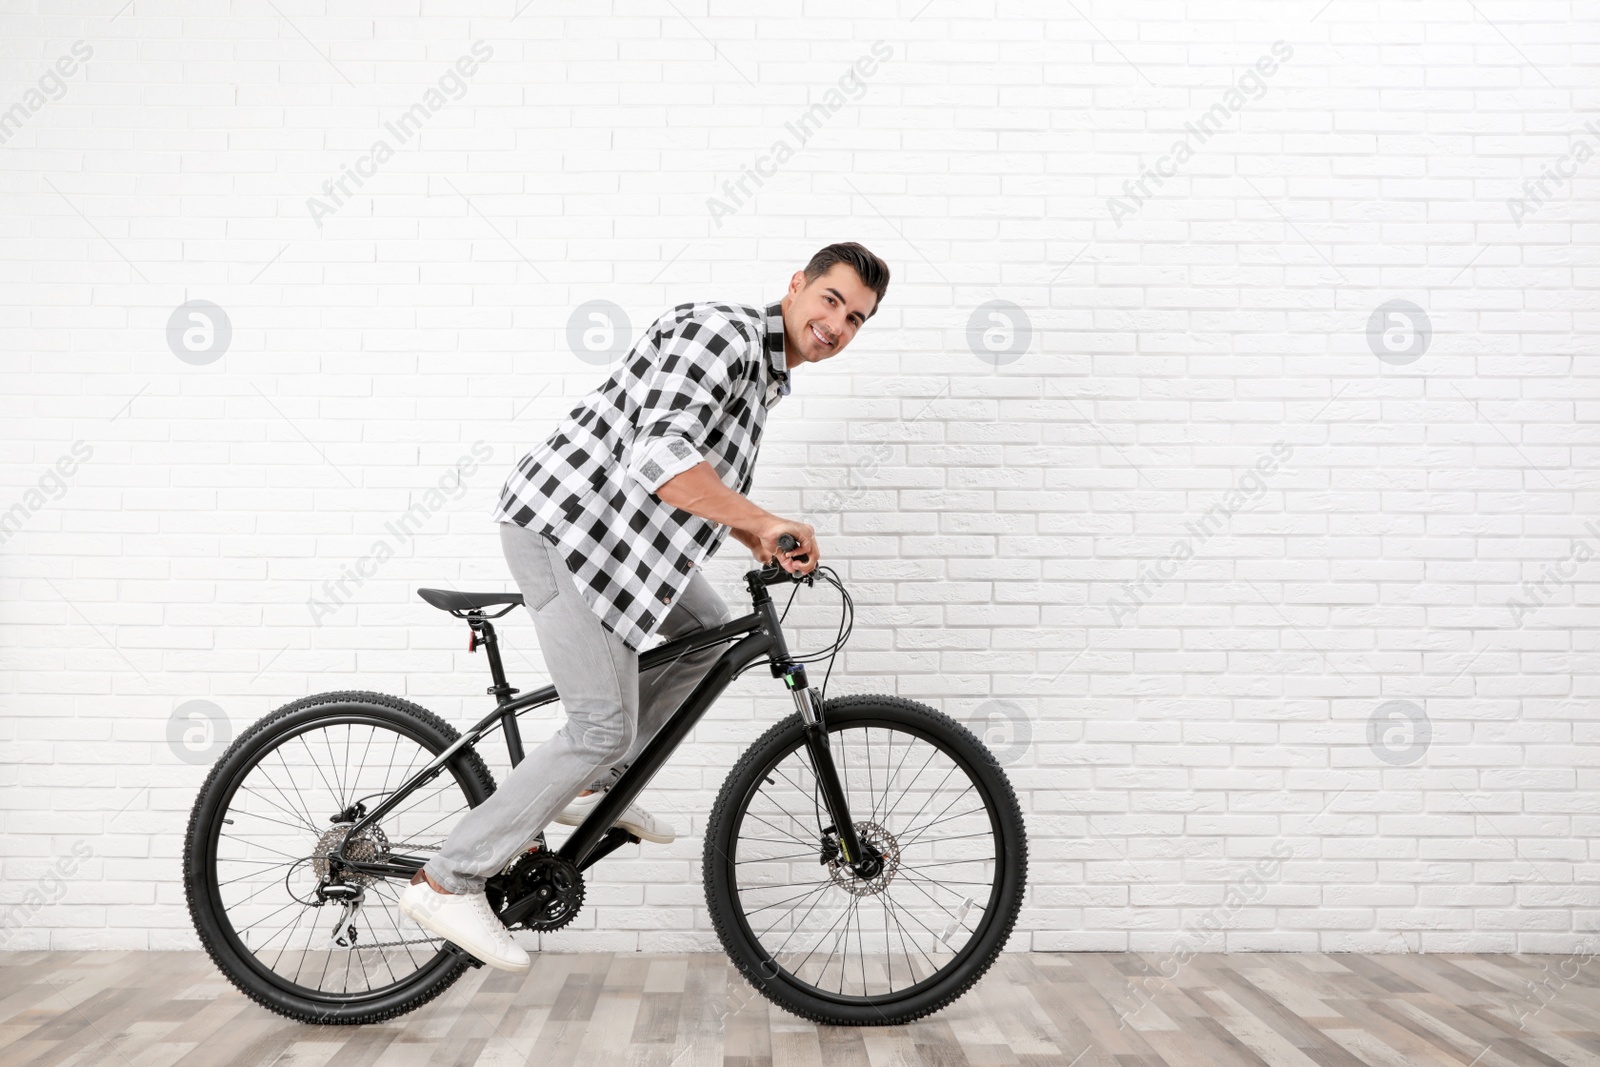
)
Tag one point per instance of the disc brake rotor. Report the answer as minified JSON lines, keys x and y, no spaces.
{"x":873,"y":836}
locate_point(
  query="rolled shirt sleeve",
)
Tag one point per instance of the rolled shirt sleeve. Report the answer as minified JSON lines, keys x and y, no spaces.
{"x":683,"y":400}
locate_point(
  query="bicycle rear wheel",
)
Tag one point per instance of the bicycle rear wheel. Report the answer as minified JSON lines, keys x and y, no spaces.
{"x":274,"y":806}
{"x":833,"y":947}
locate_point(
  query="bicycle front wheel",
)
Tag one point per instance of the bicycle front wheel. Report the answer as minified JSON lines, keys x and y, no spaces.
{"x":827,"y":944}
{"x":256,"y":868}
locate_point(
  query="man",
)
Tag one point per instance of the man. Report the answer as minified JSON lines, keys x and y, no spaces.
{"x":603,"y":527}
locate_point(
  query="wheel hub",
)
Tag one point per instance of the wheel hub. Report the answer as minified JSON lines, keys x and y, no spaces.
{"x":366,"y":847}
{"x":879,"y":864}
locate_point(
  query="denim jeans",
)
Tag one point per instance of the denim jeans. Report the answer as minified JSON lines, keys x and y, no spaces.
{"x":612,"y":712}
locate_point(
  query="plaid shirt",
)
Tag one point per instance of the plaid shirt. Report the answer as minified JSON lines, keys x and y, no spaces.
{"x":695,"y":387}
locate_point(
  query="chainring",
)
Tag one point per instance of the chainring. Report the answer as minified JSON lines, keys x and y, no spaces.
{"x":554,"y":885}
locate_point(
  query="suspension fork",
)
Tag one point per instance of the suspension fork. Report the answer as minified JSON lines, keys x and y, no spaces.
{"x":816,"y":731}
{"x":816,"y":735}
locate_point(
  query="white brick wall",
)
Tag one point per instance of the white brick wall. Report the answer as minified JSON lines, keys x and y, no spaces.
{"x":995,"y":521}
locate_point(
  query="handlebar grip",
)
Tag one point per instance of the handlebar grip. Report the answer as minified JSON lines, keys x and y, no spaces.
{"x":788,"y":543}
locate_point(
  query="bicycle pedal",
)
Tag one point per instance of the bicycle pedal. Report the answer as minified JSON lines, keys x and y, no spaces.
{"x":451,"y":946}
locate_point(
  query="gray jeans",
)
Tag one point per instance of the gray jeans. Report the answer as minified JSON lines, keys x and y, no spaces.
{"x":612,"y":712}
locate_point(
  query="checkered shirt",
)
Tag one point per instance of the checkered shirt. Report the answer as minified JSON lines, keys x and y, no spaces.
{"x":697,"y":386}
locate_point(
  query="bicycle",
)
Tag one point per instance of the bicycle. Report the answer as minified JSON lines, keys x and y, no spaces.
{"x":840,"y":824}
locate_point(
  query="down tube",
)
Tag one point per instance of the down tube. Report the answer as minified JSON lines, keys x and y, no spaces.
{"x":661,"y":746}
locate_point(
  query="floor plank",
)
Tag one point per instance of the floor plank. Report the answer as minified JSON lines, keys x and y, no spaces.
{"x":159,"y":1009}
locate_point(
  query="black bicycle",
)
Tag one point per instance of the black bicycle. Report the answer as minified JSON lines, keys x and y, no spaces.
{"x":864,"y":862}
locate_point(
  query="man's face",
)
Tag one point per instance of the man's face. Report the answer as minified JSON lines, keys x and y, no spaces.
{"x":820,"y":319}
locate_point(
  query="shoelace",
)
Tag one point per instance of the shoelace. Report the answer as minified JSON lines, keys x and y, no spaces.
{"x":480,"y":904}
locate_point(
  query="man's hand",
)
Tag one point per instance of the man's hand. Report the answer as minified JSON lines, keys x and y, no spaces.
{"x":767,"y":549}
{"x":699,"y":491}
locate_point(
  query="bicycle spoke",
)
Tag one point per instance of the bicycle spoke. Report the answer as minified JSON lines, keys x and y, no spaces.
{"x":300,"y":823}
{"x":868,"y":935}
{"x":906,"y":842}
{"x":276,"y":832}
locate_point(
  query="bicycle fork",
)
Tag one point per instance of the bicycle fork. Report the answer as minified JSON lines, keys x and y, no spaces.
{"x":816,"y":734}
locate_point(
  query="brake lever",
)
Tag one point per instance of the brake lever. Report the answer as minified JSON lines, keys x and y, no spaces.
{"x":772,"y":573}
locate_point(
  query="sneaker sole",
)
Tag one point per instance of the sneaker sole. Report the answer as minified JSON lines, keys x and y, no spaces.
{"x":496,"y":962}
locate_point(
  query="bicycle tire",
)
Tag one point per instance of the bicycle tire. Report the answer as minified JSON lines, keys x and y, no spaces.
{"x":721,"y":858}
{"x":201,"y":888}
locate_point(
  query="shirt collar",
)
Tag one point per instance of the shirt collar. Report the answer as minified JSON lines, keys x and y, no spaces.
{"x":773,"y":342}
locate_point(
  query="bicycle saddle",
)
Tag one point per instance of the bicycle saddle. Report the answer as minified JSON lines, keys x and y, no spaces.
{"x":450,"y":600}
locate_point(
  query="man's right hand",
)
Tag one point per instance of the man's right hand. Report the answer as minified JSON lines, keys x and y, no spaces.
{"x":700,"y":491}
{"x":766,"y":548}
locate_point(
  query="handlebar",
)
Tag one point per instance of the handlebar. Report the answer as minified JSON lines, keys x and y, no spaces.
{"x":788,"y":543}
{"x":773,"y":573}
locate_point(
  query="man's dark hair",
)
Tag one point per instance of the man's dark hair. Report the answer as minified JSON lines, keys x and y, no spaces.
{"x":873,"y":272}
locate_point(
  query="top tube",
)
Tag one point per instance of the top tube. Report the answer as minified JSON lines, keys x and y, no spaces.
{"x":650,"y":658}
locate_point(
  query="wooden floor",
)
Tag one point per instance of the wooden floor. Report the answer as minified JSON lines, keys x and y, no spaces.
{"x":160,"y":1009}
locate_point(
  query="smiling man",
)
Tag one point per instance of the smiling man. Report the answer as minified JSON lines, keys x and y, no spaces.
{"x":604,"y":527}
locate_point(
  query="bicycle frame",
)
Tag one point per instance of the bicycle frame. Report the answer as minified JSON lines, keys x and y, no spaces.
{"x":757,"y":635}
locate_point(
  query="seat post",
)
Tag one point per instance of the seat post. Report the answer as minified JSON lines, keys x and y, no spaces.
{"x":501,"y":690}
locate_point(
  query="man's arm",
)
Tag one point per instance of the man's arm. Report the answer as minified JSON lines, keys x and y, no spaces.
{"x":699,"y":491}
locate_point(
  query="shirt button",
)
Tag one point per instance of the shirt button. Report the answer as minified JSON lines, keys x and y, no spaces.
{"x":666,"y":600}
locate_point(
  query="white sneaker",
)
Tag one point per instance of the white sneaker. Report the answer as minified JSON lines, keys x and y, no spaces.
{"x":635,"y":820}
{"x":466,"y":920}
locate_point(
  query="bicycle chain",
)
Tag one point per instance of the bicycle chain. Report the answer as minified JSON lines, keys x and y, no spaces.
{"x":391,"y":944}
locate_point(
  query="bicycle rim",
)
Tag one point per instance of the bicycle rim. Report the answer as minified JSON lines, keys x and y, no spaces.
{"x":848,"y":940}
{"x":267,"y":848}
